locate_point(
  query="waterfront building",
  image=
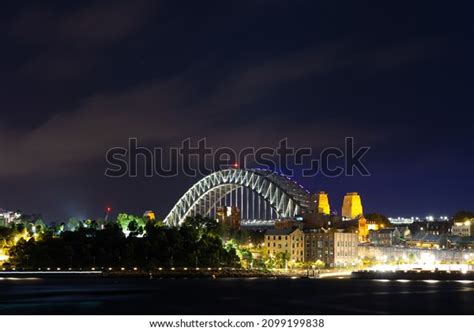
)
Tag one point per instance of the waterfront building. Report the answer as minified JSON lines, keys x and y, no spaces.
{"x":410,"y":254}
{"x":428,"y":240}
{"x":405,"y":232}
{"x":385,"y":237}
{"x":463,"y":229}
{"x":357,"y":226}
{"x":289,"y":241}
{"x":431,"y":227}
{"x":351,"y":206}
{"x":334,"y":248}
{"x":461,"y":242}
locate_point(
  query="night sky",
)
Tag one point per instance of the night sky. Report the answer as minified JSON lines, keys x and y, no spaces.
{"x":78,"y":78}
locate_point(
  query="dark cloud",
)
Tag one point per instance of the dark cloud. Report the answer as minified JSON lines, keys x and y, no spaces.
{"x":69,"y":43}
{"x":109,"y":23}
{"x":95,"y":25}
{"x":171,"y":110}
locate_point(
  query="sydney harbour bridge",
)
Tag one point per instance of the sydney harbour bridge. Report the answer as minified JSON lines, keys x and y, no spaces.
{"x":261,"y":196}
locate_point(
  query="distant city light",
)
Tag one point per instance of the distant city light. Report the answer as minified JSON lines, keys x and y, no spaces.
{"x":411,"y":219}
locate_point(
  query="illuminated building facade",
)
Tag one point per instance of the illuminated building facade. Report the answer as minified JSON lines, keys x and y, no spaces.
{"x":463,"y":229}
{"x":363,"y":229}
{"x":289,"y":241}
{"x":373,"y":225}
{"x":149,"y":214}
{"x":334,"y":248}
{"x":351,"y":206}
{"x":322,"y":203}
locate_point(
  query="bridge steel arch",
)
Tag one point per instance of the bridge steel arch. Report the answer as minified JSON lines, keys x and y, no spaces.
{"x":285,"y":196}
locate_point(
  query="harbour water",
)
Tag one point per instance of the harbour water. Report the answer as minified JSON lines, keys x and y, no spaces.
{"x":233,"y":296}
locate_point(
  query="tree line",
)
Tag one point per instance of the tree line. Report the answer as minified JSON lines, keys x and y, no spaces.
{"x":149,"y":244}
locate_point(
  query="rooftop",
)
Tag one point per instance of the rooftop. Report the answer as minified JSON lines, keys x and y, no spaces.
{"x":280,"y":232}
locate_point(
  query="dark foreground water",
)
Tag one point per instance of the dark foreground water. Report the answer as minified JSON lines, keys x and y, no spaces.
{"x":233,"y":296}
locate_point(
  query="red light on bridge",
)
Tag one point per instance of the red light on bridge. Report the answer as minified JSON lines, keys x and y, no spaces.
{"x":235,"y":165}
{"x":108,"y":209}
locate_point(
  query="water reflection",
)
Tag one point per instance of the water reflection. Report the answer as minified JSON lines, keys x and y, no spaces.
{"x":233,"y":296}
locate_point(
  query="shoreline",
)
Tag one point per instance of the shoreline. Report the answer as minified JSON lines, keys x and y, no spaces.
{"x":144,"y":274}
{"x":202,"y":273}
{"x":413,"y":275}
